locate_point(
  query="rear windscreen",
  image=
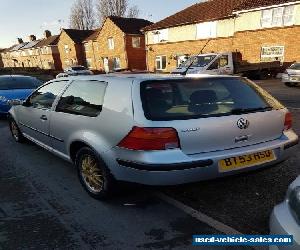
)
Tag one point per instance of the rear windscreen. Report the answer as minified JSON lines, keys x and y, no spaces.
{"x":7,"y":83}
{"x":195,"y":98}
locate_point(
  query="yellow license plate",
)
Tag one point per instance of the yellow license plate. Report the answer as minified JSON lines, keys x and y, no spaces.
{"x":245,"y":161}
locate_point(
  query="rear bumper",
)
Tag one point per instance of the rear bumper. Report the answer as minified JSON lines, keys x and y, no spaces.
{"x":173,"y":167}
{"x":283,"y":223}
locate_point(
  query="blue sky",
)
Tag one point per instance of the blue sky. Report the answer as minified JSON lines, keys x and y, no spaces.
{"x":21,"y":18}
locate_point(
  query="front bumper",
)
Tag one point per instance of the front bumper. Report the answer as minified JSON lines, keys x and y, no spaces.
{"x":173,"y":167}
{"x":290,"y":78}
{"x":283,"y":223}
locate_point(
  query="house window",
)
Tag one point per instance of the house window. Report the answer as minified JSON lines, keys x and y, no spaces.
{"x":89,"y":63}
{"x":272,"y":53}
{"x":161,"y":62}
{"x":111,"y":43}
{"x":136,"y":42}
{"x":206,"y":30}
{"x":86,"y":47}
{"x":160,"y":36}
{"x":117,"y":63}
{"x":277,"y":17}
{"x":288,"y":15}
{"x":67,"y":48}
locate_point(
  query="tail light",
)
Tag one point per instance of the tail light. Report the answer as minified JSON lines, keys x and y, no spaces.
{"x":150,"y":139}
{"x":288,"y":121}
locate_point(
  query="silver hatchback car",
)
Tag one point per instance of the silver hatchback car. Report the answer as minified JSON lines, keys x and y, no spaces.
{"x":155,"y":130}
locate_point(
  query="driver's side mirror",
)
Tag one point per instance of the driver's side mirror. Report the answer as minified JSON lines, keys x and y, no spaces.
{"x":26,"y":103}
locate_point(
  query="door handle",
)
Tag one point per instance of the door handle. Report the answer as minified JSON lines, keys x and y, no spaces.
{"x":44,"y":118}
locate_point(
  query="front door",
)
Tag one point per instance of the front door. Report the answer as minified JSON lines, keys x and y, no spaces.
{"x":106,"y":64}
{"x":35,"y":114}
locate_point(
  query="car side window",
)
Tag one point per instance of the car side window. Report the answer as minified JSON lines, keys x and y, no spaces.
{"x":83,"y":98}
{"x":44,"y":97}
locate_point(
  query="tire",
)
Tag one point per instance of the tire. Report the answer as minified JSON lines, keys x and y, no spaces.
{"x":15,"y":131}
{"x":93,"y":174}
{"x":290,"y":84}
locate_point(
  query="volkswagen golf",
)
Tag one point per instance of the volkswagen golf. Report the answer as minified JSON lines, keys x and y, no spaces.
{"x":155,"y":129}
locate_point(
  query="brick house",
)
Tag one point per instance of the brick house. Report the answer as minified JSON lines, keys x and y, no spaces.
{"x":262,"y":30}
{"x":90,"y":49}
{"x":11,"y":57}
{"x":1,"y":62}
{"x":71,"y":48}
{"x":48,"y":54}
{"x":120,"y":44}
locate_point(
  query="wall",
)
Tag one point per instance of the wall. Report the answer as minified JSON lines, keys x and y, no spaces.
{"x":72,"y":54}
{"x":136,"y":56}
{"x":109,"y":30}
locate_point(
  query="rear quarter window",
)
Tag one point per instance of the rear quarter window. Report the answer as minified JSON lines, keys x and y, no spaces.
{"x":195,"y":98}
{"x":83,"y":98}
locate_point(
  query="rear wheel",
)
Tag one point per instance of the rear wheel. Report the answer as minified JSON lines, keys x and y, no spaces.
{"x":15,"y":131}
{"x":94,"y":174}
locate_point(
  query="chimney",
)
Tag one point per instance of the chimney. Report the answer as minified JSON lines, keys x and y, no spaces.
{"x":32,"y":38}
{"x":47,"y":34}
{"x":20,"y":40}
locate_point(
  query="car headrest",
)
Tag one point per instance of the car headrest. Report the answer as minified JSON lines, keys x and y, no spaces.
{"x":203,"y":96}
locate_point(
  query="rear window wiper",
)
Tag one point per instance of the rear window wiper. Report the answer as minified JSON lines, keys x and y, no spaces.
{"x":250,"y":110}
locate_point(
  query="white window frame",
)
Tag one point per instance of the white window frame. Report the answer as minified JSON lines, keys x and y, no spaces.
{"x":86,"y":47}
{"x":111,"y":43}
{"x":159,"y":59}
{"x":66,"y":47}
{"x":266,"y":18}
{"x":160,"y":36}
{"x":206,"y":30}
{"x":136,"y":42}
{"x":278,"y":17}
{"x":290,"y":15}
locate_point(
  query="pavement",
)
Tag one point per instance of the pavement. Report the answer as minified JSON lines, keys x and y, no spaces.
{"x":43,"y":206}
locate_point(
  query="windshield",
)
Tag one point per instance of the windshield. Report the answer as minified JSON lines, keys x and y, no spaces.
{"x":196,"y":98}
{"x":12,"y":82}
{"x":198,"y":61}
{"x":295,"y":66}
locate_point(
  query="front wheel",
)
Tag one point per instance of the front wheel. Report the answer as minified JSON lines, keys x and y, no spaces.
{"x":290,"y":84}
{"x":94,"y":174}
{"x":15,"y":131}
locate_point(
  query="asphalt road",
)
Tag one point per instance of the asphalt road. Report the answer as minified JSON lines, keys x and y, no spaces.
{"x":42,"y":205}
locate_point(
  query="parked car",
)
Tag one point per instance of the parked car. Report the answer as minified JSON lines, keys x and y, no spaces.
{"x":74,"y":71}
{"x":285,"y":218}
{"x":226,"y":63}
{"x":291,"y":76}
{"x":155,"y":130}
{"x":15,"y":87}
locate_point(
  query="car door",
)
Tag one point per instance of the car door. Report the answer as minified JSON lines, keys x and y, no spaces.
{"x":35,"y":113}
{"x":75,"y":112}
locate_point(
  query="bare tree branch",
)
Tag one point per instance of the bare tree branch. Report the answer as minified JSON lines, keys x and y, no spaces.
{"x":119,"y":8}
{"x":82,"y":15}
{"x":133,"y":12}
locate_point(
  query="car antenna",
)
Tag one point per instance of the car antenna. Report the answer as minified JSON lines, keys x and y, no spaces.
{"x":190,"y":65}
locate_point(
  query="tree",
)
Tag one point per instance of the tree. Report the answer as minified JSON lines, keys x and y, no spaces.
{"x":119,"y":8}
{"x":82,"y":15}
{"x":133,"y":12}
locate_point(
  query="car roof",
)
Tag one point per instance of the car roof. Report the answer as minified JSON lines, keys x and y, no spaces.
{"x":144,"y":77}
